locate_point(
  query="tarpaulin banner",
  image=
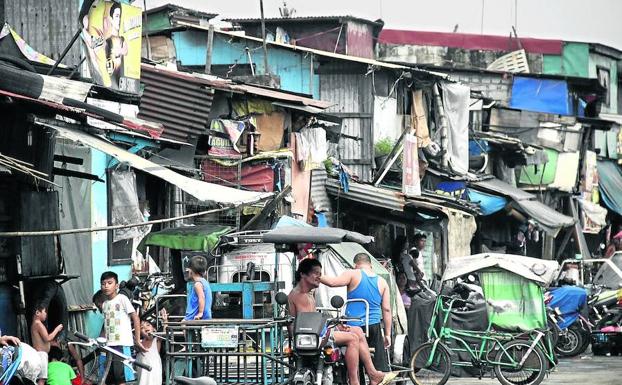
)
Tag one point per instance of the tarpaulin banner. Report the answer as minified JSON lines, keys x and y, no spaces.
{"x":111,"y":33}
{"x":410,"y":176}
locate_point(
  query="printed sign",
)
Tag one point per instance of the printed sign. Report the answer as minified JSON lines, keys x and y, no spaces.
{"x":411,"y":185}
{"x":111,"y":33}
{"x":219,"y":337}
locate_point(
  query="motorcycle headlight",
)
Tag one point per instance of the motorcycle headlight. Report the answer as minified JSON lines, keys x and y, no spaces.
{"x":306,"y":341}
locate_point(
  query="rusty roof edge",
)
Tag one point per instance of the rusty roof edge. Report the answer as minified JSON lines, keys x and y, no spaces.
{"x":227,"y":85}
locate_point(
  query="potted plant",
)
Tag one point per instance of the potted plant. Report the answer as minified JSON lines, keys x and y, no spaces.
{"x":382,"y":149}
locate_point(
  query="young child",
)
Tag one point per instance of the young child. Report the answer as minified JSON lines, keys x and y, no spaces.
{"x":59,"y":373}
{"x":119,"y":315}
{"x":152,"y":356}
{"x":41,"y":339}
{"x":199,"y":305}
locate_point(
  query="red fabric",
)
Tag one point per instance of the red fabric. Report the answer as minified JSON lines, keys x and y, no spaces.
{"x":470,"y":41}
{"x":257,"y":177}
{"x":77,"y":380}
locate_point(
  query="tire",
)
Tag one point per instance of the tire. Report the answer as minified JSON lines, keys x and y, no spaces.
{"x":20,"y":81}
{"x":531,"y":373}
{"x":570,"y":342}
{"x":554,"y":332}
{"x":586,"y":335}
{"x":17,"y":62}
{"x":437,"y":373}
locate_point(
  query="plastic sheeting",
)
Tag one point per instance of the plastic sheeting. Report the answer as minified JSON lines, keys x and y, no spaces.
{"x":541,"y":95}
{"x":547,"y":218}
{"x":488,"y":203}
{"x":610,"y":184}
{"x":193,"y":238}
{"x":74,"y":213}
{"x":125,"y":209}
{"x":456,"y":105}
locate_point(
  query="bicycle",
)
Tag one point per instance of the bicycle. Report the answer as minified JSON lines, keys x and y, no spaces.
{"x":513,"y":358}
{"x":100,"y":346}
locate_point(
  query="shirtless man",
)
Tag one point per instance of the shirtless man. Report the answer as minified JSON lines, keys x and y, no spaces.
{"x":301,"y":299}
{"x":41,"y":340}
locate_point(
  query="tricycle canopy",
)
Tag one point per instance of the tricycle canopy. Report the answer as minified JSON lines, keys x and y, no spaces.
{"x":536,"y":270}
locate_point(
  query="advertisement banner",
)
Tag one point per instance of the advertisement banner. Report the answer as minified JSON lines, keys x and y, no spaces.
{"x":111,"y":33}
{"x":411,"y":185}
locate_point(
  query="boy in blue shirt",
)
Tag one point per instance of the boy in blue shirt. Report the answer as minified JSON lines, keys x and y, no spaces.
{"x":199,"y":303}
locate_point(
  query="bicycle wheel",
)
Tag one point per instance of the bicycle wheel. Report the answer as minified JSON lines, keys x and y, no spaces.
{"x":508,"y":372}
{"x":430,"y":372}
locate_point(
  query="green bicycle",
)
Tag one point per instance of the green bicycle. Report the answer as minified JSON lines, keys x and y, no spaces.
{"x":514,"y":360}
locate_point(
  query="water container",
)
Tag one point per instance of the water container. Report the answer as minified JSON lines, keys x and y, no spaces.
{"x":8,"y":321}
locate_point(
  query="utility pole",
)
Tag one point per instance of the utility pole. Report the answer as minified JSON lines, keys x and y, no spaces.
{"x":263,"y":36}
{"x":482,"y":24}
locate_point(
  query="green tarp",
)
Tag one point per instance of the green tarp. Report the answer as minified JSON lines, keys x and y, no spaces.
{"x":543,"y":174}
{"x":517,"y":303}
{"x":192,"y":238}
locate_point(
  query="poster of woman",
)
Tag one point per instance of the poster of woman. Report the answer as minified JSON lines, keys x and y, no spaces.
{"x":112,"y":38}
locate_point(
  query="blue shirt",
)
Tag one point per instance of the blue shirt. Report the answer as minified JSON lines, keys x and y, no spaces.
{"x":368,"y":290}
{"x":192,"y":303}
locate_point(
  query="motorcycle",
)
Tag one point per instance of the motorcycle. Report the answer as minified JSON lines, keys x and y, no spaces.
{"x":573,"y":327}
{"x":318,"y":361}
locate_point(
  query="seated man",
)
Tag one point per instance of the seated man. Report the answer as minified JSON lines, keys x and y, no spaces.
{"x":363,"y":283}
{"x":301,"y":299}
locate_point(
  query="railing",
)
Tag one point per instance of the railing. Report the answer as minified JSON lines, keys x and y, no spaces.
{"x":232,"y":351}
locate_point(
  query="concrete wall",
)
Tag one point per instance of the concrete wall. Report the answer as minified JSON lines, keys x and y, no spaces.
{"x":447,"y":57}
{"x":600,"y":61}
{"x":495,"y":86}
{"x":293,"y":68}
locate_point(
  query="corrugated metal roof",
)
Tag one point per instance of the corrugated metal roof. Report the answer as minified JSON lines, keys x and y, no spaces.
{"x":299,"y":19}
{"x":182,"y":106}
{"x":319,"y":197}
{"x":227,"y":85}
{"x":368,"y":194}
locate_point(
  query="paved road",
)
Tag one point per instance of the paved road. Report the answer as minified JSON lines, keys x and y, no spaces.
{"x":587,"y":369}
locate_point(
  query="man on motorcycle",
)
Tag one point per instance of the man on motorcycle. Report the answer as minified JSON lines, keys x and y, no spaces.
{"x":301,"y":299}
{"x":363,"y":283}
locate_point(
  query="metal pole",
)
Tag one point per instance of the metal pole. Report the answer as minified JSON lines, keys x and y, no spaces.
{"x":210,"y":45}
{"x":443,"y":126}
{"x":65,"y":51}
{"x":263,"y":36}
{"x":482,"y":25}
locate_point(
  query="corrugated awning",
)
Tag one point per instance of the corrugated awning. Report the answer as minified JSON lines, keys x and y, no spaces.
{"x":368,"y":194}
{"x":549,"y":220}
{"x":311,"y":111}
{"x":203,"y":191}
{"x":610,"y":184}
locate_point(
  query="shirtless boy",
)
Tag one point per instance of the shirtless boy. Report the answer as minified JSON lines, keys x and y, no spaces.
{"x":301,"y":299}
{"x":41,"y":339}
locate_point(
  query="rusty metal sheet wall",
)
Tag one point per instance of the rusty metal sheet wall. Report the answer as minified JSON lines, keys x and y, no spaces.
{"x":353,"y":96}
{"x":46,"y":25}
{"x":181,"y":105}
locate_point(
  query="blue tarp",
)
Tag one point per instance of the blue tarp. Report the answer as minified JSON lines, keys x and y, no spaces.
{"x":571,"y":301}
{"x":610,"y":184}
{"x":488,"y":203}
{"x":541,"y":95}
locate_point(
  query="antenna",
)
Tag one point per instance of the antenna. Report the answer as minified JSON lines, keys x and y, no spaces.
{"x":482,"y":25}
{"x":286,"y":12}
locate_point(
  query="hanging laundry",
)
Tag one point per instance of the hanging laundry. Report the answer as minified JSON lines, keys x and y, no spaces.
{"x":311,"y":148}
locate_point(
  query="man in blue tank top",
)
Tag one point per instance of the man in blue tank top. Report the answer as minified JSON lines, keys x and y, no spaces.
{"x":363,"y":283}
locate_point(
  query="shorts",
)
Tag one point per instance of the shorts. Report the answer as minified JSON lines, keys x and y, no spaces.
{"x":376,"y":341}
{"x":119,"y":373}
{"x":43,"y":373}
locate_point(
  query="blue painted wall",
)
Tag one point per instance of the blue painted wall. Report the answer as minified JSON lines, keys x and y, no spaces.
{"x":99,"y":240}
{"x":293,"y":68}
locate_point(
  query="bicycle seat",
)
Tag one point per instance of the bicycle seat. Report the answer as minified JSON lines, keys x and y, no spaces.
{"x":181,"y":380}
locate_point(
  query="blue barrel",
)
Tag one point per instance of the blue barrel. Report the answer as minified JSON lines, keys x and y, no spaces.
{"x":8,"y":321}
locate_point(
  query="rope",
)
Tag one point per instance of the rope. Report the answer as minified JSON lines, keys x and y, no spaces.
{"x":12,"y":234}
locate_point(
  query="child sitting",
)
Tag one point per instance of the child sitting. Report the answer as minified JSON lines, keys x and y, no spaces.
{"x":59,"y":373}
